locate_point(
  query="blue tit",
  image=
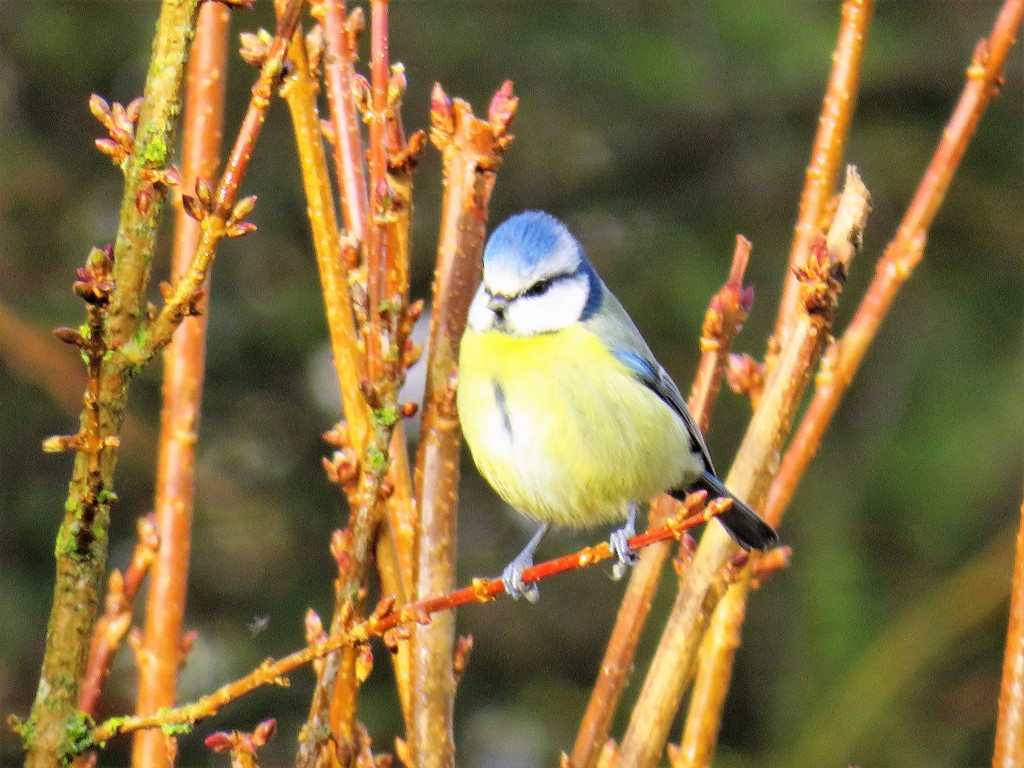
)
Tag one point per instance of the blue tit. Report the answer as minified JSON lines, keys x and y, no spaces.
{"x":565,"y":410}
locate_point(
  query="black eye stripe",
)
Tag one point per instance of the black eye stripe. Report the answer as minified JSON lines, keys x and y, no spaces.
{"x":542,"y":286}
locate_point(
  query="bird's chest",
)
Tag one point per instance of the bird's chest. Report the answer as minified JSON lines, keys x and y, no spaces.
{"x":561,"y":429}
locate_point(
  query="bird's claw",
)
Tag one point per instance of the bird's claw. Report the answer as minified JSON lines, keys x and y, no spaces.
{"x":512,"y":578}
{"x":625,"y":556}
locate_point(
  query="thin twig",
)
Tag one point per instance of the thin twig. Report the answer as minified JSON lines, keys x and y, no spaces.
{"x":117,"y":614}
{"x":341,"y":31}
{"x":161,"y":651}
{"x":395,"y":545}
{"x":1009,"y":746}
{"x":388,"y":617}
{"x":380,"y":193}
{"x":751,"y":474}
{"x":217,"y":210}
{"x":115,"y":310}
{"x":725,"y":315}
{"x":901,"y":256}
{"x":826,"y":155}
{"x":299,"y":90}
{"x":722,"y":639}
{"x":471,"y":149}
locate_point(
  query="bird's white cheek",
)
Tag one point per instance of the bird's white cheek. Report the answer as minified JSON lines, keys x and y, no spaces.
{"x":559,"y":308}
{"x":480,"y":317}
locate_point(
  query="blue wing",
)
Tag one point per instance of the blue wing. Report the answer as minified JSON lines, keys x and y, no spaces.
{"x":654,"y":377}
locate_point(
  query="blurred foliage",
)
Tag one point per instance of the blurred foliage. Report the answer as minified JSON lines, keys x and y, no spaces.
{"x":657,"y":130}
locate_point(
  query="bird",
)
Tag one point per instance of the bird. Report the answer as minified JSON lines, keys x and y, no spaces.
{"x":565,"y":410}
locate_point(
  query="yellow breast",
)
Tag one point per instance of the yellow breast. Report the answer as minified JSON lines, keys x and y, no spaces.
{"x":563,"y":431}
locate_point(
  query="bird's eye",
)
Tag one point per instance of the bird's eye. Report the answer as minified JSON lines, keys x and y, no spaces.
{"x":539,"y":288}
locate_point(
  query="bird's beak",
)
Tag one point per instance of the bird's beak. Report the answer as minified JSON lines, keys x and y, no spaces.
{"x":498,"y":305}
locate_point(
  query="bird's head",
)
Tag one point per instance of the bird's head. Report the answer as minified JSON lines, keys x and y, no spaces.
{"x":536,"y":279}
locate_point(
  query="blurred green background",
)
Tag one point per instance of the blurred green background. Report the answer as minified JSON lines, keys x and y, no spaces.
{"x":657,"y":131}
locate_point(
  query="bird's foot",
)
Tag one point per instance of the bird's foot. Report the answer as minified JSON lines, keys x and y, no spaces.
{"x":625,"y":555}
{"x":512,"y":578}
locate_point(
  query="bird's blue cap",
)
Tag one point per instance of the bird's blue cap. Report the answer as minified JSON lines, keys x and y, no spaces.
{"x":530,"y":245}
{"x":533,"y":246}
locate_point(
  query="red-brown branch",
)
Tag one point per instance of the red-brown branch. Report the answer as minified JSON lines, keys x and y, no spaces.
{"x":161,"y":644}
{"x":471,"y":149}
{"x":827,"y":153}
{"x":901,"y":256}
{"x":725,"y":315}
{"x":376,"y":235}
{"x":388,"y":617}
{"x":722,"y":639}
{"x":749,"y":479}
{"x":1009,"y":748}
{"x":341,"y":31}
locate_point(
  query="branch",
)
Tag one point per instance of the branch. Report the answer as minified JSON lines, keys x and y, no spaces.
{"x":387,"y":618}
{"x":1009,"y":747}
{"x":718,"y":649}
{"x":299,"y":91}
{"x":117,"y":614}
{"x":826,"y":155}
{"x":377,"y":257}
{"x":342,"y":31}
{"x":385,"y":323}
{"x":161,"y":652}
{"x":217,"y":211}
{"x":901,"y":256}
{"x":725,"y":316}
{"x":471,"y":149}
{"x":755,"y":464}
{"x":115,"y":294}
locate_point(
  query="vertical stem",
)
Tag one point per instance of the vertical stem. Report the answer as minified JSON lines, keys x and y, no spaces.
{"x":749,"y":478}
{"x":901,"y":256}
{"x":299,"y":92}
{"x":471,"y":159}
{"x":340,"y":31}
{"x":718,"y":650}
{"x":161,"y":654}
{"x":725,"y":315}
{"x":377,"y":252}
{"x":81,"y":550}
{"x":1009,"y":748}
{"x":827,"y":152}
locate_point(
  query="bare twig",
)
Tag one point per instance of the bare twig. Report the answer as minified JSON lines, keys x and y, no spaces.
{"x":901,"y":256}
{"x":380,"y":192}
{"x":161,"y":640}
{"x":341,"y":31}
{"x":749,"y":479}
{"x":718,"y":650}
{"x":725,"y":315}
{"x":386,"y":321}
{"x":826,"y":155}
{"x":299,"y":90}
{"x":387,"y":618}
{"x":472,"y":150}
{"x":1009,"y":747}
{"x":217,"y":211}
